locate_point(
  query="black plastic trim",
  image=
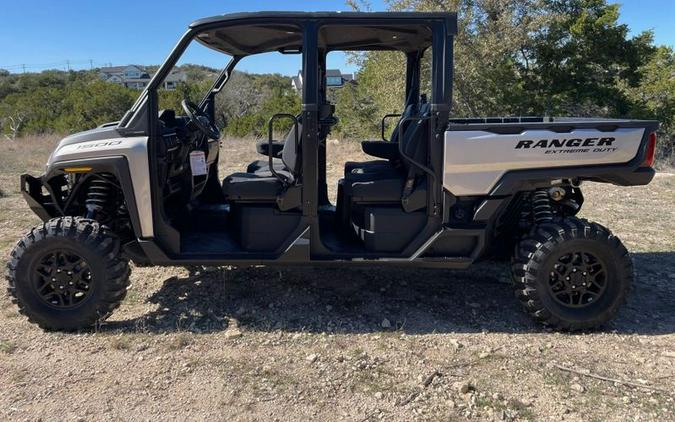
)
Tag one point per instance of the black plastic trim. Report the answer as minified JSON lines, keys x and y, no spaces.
{"x":31,"y":189}
{"x":563,"y":125}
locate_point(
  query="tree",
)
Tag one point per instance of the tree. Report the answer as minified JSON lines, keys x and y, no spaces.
{"x":248,"y":101}
{"x":14,"y":123}
{"x":356,"y":112}
{"x":491,"y":37}
{"x":654,"y":98}
{"x":237,"y":98}
{"x":579,"y":59}
{"x":90,"y":104}
{"x":520,"y":57}
{"x":37,"y":110}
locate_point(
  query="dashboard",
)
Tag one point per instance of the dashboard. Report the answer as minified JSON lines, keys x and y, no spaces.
{"x":180,"y":139}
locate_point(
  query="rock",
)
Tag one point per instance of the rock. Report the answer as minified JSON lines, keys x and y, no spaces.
{"x":668,"y":354}
{"x":312,"y":358}
{"x":456,"y":344}
{"x":329,"y":308}
{"x":233,"y":333}
{"x":577,"y":387}
{"x":465,"y":387}
{"x":483,"y":355}
{"x":379,"y":395}
{"x":385,"y":323}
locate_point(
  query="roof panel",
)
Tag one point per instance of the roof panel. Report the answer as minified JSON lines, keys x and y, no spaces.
{"x":250,"y":34}
{"x":300,"y":16}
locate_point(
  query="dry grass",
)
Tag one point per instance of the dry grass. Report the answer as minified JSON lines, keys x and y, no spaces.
{"x":308,"y":344}
{"x":7,"y":347}
{"x":23,"y":155}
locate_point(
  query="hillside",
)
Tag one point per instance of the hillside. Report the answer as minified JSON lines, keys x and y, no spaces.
{"x":67,"y":102}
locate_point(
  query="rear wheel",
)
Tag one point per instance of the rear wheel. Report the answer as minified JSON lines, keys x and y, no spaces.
{"x":572,"y":275}
{"x":67,"y":274}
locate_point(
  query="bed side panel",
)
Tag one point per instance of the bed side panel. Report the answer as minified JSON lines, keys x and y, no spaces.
{"x":475,"y":160}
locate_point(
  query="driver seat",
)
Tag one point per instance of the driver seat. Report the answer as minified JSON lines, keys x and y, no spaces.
{"x":263,"y":186}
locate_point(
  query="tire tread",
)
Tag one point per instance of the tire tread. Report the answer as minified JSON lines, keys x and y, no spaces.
{"x":534,"y":248}
{"x":93,"y":235}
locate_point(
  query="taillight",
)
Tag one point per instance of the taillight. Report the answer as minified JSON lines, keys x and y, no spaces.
{"x":651,"y":150}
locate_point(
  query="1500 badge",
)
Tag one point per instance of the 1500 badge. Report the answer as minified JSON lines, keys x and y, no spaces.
{"x":99,"y":144}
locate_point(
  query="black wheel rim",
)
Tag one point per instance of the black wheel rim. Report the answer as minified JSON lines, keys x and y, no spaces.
{"x":62,"y":279}
{"x":577,"y":279}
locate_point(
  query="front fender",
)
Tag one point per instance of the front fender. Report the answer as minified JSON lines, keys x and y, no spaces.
{"x":46,"y":203}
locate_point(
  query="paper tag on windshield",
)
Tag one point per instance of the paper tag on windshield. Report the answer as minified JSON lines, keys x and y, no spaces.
{"x":198,"y":163}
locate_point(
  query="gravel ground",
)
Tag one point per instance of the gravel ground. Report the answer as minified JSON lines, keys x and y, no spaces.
{"x":349,"y":344}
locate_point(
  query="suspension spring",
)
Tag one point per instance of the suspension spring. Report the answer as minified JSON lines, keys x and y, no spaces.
{"x":542,"y":211}
{"x":100,"y":196}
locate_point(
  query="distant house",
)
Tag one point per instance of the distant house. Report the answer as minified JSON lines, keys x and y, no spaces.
{"x":136,"y":77}
{"x":334,"y":79}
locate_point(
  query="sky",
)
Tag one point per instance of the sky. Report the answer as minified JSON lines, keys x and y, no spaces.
{"x":79,"y":34}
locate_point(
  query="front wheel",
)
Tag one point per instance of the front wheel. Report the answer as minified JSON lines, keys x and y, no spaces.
{"x":572,"y":275}
{"x":67,"y":274}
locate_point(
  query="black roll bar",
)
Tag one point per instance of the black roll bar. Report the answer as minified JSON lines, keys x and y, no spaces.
{"x":384,"y":121}
{"x":420,"y":166}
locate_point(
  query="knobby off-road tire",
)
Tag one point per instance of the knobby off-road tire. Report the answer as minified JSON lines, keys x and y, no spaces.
{"x":67,"y":274}
{"x":572,"y":275}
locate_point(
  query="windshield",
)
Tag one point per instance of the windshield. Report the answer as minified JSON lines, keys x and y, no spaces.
{"x":192,"y":76}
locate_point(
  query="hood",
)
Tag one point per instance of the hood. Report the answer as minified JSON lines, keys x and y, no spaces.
{"x":103,"y":132}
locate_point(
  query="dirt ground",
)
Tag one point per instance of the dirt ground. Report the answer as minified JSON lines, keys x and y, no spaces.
{"x":353,"y":345}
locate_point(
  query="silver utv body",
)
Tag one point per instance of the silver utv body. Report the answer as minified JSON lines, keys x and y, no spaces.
{"x":474,"y":168}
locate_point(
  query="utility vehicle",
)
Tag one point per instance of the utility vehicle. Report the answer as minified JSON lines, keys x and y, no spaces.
{"x":442,"y":192}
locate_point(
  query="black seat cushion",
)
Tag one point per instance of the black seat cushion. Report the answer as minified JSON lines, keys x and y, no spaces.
{"x":377,"y":190}
{"x":287,"y":155}
{"x":263,"y":165}
{"x":370,"y":167}
{"x":381,"y":149}
{"x":256,"y":187}
{"x":386,"y":190}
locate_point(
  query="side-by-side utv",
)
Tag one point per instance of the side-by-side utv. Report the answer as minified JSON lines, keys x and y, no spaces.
{"x":440,"y":192}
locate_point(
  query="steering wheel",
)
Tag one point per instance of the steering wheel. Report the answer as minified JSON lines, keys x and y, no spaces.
{"x":200,"y":119}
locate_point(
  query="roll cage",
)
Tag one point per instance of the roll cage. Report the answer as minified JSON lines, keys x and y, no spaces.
{"x":315,"y":35}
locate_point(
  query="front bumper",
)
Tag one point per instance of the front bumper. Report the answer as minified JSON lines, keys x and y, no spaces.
{"x":39,"y":197}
